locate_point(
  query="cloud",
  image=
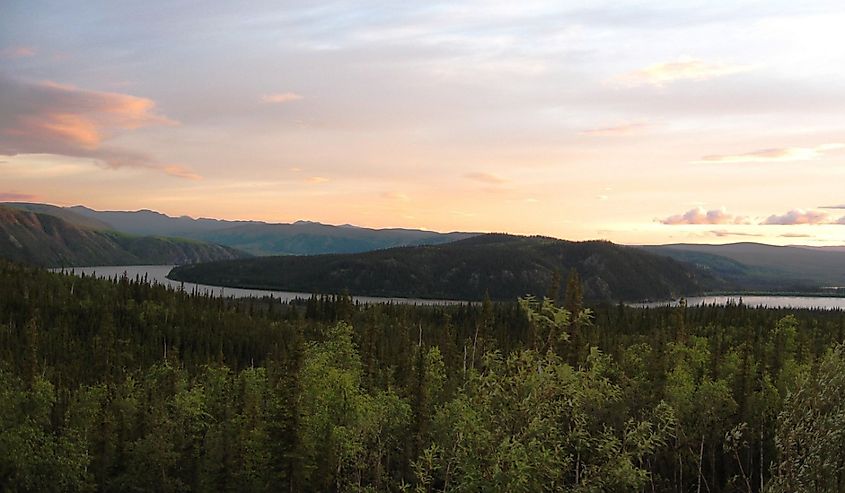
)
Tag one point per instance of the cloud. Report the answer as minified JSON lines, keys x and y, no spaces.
{"x":396,"y":196}
{"x":616,"y":130}
{"x":686,"y":68}
{"x":17,"y":52}
{"x":841,"y":206}
{"x":798,"y":216}
{"x":281,"y":97}
{"x":315,"y":180}
{"x":795,"y":235}
{"x":721,"y":233}
{"x":701,"y":216}
{"x":783,"y":154}
{"x":16,"y":197}
{"x":486,"y":178}
{"x":180,"y":172}
{"x":51,"y":118}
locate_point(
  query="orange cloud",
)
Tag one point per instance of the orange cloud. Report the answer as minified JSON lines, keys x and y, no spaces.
{"x":784,"y":154}
{"x":660,"y":74}
{"x":180,"y":172}
{"x":486,"y":178}
{"x":616,"y":130}
{"x":701,"y":216}
{"x":315,"y":180}
{"x":68,"y":127}
{"x":396,"y":196}
{"x":51,"y":118}
{"x":281,"y":97}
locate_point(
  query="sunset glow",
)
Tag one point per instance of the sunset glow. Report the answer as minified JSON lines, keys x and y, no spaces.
{"x":637,"y":122}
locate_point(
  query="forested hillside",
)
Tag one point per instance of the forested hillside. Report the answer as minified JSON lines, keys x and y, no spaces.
{"x":121,"y":386}
{"x":48,"y":240}
{"x":503,"y":266}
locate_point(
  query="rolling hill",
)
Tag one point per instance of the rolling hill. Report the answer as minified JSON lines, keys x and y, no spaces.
{"x":254,"y":237}
{"x":760,"y":267}
{"x":504,"y":266}
{"x":47,"y":240}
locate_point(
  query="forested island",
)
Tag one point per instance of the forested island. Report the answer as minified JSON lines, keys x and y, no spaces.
{"x":119,"y":385}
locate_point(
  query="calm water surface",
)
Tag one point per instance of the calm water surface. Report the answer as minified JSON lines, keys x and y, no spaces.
{"x":158,"y":273}
{"x":828,"y":303}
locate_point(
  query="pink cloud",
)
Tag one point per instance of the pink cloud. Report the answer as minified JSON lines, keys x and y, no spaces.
{"x":16,"y":197}
{"x":51,"y":118}
{"x":616,"y":130}
{"x":721,"y":233}
{"x":281,"y":97}
{"x":782,"y":154}
{"x":701,"y":216}
{"x":798,"y":216}
{"x":17,"y":52}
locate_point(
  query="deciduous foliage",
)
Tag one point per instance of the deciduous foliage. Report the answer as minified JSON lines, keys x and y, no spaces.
{"x":118,"y":385}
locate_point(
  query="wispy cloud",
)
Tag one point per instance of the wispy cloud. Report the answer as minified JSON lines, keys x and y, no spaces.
{"x":721,"y":233}
{"x":17,"y":52}
{"x":795,"y":235}
{"x":798,"y":216}
{"x":281,"y":97}
{"x":840,"y":206}
{"x":15,"y":197}
{"x":51,"y":118}
{"x":399,"y":196}
{"x":781,"y":154}
{"x":701,"y":216}
{"x":616,"y":130}
{"x":315,"y":180}
{"x":180,"y":172}
{"x":486,"y":178}
{"x":660,"y":74}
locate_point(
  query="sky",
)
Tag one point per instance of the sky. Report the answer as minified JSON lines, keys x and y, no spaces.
{"x":636,"y":122}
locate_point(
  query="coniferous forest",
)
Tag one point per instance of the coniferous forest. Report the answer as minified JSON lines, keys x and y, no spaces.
{"x":119,"y":385}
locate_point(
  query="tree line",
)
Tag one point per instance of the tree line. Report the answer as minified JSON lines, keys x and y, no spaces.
{"x":123,"y":385}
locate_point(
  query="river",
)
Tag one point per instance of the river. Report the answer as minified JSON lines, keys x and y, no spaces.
{"x":158,"y":273}
{"x":768,"y":301}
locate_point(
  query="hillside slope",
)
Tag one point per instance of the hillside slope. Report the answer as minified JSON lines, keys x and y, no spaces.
{"x":46,"y":240}
{"x":757,"y":266}
{"x":504,"y":266}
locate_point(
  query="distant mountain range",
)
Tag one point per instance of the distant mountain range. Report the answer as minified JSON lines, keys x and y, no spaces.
{"x":254,"y":237}
{"x":504,"y":266}
{"x":760,"y":267}
{"x":65,"y":239}
{"x":403,"y":262}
